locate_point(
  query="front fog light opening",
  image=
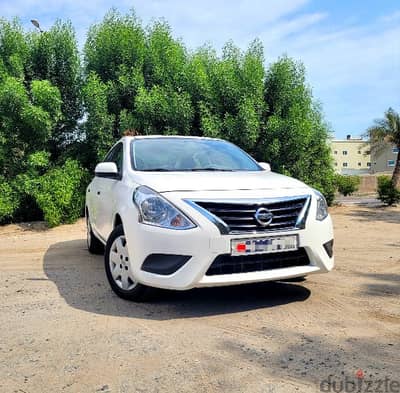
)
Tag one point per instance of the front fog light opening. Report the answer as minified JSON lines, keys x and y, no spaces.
{"x":328,"y":246}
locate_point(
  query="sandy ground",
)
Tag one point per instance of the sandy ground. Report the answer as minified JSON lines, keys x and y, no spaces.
{"x":63,"y":330}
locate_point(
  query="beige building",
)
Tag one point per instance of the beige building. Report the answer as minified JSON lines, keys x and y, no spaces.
{"x":353,"y":156}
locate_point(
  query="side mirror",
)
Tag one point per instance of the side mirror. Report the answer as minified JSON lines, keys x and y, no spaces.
{"x":265,"y":166}
{"x":107,"y":169}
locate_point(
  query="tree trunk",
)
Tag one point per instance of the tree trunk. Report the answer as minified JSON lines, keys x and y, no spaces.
{"x":396,"y":172}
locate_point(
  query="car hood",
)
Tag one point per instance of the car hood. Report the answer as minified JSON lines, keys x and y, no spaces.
{"x":216,"y":181}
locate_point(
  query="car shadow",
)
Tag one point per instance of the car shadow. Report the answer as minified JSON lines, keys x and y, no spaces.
{"x":81,"y":281}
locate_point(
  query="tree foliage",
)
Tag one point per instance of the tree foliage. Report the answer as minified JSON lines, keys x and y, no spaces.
{"x":40,"y":105}
{"x":295,"y":136}
{"x":59,"y":116}
{"x":59,"y":192}
{"x":53,"y":56}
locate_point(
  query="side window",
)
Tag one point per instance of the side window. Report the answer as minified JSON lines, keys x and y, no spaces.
{"x":116,"y":155}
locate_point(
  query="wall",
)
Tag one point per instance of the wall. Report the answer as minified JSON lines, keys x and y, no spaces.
{"x":380,"y":159}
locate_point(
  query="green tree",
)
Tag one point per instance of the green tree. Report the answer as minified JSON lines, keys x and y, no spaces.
{"x":54,"y":56}
{"x":13,"y":49}
{"x":165,"y":58}
{"x":161,"y":110}
{"x":118,"y":41}
{"x":53,"y":110}
{"x":294,"y":137}
{"x":99,"y":122}
{"x":115,"y":52}
{"x":227,"y":93}
{"x":384,"y":131}
{"x":39,"y":108}
{"x":27,"y":117}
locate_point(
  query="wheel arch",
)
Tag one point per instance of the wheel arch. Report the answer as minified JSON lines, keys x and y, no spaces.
{"x":117,"y":220}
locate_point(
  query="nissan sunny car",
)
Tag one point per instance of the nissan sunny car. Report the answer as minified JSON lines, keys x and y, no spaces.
{"x":183,"y":212}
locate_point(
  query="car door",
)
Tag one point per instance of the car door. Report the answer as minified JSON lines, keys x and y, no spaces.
{"x":105,"y":193}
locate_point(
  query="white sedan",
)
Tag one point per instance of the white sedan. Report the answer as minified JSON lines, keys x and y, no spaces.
{"x":183,"y":212}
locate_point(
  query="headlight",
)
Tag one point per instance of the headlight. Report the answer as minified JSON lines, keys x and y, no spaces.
{"x":156,"y":210}
{"x":322,"y":206}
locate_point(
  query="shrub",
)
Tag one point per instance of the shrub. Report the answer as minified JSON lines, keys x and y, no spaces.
{"x":347,"y":185}
{"x":387,"y":193}
{"x":59,"y":193}
{"x":8,"y":200}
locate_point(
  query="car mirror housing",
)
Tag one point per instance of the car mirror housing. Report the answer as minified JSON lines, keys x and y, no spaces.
{"x":107,"y":169}
{"x":265,"y":166}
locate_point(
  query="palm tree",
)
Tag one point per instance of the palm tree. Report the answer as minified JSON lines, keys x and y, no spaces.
{"x":387,"y":130}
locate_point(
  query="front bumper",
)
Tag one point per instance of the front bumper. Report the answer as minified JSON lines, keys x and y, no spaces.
{"x":205,"y":242}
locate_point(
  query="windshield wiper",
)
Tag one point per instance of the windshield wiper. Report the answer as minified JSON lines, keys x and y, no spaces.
{"x":155,"y":170}
{"x":209,"y":169}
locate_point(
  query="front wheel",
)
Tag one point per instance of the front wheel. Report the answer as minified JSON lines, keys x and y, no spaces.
{"x":118,"y":269}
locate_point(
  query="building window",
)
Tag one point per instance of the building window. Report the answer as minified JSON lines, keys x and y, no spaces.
{"x":335,"y":152}
{"x":390,"y":163}
{"x":335,"y":163}
{"x":359,"y":164}
{"x":395,"y":150}
{"x":368,"y":164}
{"x":359,"y":152}
{"x":368,"y":152}
{"x":344,"y":152}
{"x":345,"y":164}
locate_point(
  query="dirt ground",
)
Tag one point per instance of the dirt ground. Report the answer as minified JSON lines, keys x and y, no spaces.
{"x":63,"y":330}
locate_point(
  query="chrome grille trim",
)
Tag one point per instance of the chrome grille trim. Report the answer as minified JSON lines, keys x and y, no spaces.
{"x":223,"y":228}
{"x":236,"y":216}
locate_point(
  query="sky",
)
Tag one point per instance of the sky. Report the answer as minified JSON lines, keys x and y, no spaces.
{"x":350,"y":48}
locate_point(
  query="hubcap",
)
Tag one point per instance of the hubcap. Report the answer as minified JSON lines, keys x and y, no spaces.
{"x":119,"y":264}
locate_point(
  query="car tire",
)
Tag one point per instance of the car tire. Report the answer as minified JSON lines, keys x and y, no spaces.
{"x":117,"y":266}
{"x":94,"y":245}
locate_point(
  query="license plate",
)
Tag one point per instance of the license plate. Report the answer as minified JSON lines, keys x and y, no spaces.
{"x":264,"y":245}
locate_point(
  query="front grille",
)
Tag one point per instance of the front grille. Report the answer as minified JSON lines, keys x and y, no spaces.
{"x":239,"y":217}
{"x":228,"y":264}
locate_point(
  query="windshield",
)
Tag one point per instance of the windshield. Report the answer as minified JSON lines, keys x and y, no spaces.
{"x":189,"y":154}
